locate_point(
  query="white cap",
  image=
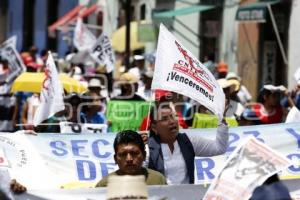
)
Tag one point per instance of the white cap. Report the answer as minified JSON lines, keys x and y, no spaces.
{"x":275,"y":88}
{"x":94,"y":82}
{"x":232,"y":75}
{"x":77,"y":70}
{"x":138,"y":57}
{"x":224,"y":83}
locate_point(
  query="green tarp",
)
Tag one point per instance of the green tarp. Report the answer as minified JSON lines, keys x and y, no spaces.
{"x":182,"y":11}
{"x":210,"y":121}
{"x":126,"y":114}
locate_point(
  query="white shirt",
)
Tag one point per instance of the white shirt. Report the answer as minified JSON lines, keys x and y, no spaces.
{"x":174,"y":162}
{"x":244,"y":95}
{"x":235,"y":109}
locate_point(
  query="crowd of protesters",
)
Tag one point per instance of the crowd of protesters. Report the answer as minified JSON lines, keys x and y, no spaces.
{"x":134,"y":84}
{"x":271,"y":106}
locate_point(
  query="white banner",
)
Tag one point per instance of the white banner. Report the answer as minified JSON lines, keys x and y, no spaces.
{"x":176,"y":69}
{"x":69,"y":127}
{"x":251,"y":163}
{"x":51,"y":97}
{"x":103,"y":53}
{"x":78,"y":160}
{"x":83,"y":38}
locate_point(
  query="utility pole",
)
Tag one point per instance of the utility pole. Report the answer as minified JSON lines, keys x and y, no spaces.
{"x":127,"y":44}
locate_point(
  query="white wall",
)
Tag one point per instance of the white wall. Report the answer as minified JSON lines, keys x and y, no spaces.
{"x":294,"y":43}
{"x":229,"y":35}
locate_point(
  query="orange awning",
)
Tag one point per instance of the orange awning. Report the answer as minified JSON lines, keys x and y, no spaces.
{"x":72,"y":15}
{"x":64,"y":19}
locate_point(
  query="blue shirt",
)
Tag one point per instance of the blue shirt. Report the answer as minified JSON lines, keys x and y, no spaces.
{"x":98,"y":118}
{"x":284,"y":102}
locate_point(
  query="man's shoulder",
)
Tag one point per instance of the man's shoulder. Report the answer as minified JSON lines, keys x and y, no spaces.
{"x":153,"y":172}
{"x":103,"y":182}
{"x":155,"y":178}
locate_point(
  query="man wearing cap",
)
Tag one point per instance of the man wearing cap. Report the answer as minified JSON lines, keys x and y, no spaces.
{"x":145,"y":91}
{"x":269,"y":109}
{"x":243,"y":94}
{"x":138,"y":63}
{"x":95,"y":85}
{"x":128,"y":84}
{"x":230,"y":88}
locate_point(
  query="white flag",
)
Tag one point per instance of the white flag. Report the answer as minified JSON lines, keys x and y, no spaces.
{"x":83,"y":38}
{"x":176,"y":69}
{"x":51,"y":96}
{"x":102,"y":53}
{"x":249,"y":165}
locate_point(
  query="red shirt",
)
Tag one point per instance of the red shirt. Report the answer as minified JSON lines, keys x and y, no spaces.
{"x":268,"y":118}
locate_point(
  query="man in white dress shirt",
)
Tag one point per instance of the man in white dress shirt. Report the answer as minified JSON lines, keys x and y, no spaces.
{"x":173,"y":153}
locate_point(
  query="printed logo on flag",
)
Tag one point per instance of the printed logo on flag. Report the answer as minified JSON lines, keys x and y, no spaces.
{"x":192,"y":69}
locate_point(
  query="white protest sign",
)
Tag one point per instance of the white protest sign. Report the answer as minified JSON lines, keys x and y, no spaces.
{"x":51,"y":98}
{"x":177,"y":70}
{"x":12,"y":40}
{"x":69,"y":127}
{"x":103,"y":53}
{"x":16,"y":66}
{"x":293,"y":115}
{"x":83,"y":38}
{"x":250,"y":164}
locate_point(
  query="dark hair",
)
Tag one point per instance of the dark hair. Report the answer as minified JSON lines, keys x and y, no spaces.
{"x":87,"y":99}
{"x":265,"y":92}
{"x":73,"y":98}
{"x":129,"y":136}
{"x":163,"y":102}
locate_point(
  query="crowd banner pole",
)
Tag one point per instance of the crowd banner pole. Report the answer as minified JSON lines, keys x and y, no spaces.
{"x":277,"y":34}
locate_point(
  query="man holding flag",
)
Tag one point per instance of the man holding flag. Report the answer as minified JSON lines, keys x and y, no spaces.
{"x":173,"y":153}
